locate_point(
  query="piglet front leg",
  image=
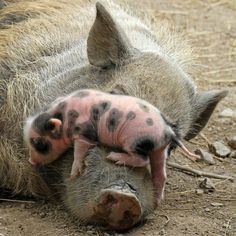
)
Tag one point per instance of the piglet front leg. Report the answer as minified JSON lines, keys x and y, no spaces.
{"x":81,"y":148}
{"x":158,"y":169}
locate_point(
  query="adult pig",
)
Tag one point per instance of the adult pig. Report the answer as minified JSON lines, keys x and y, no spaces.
{"x":50,"y":48}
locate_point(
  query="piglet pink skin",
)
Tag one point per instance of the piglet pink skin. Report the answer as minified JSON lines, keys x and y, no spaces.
{"x":91,"y":116}
{"x":126,"y":130}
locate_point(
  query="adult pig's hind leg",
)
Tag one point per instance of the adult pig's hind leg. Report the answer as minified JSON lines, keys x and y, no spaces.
{"x":158,"y":169}
{"x":129,"y":159}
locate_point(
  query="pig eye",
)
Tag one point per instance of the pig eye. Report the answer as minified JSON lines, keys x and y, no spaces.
{"x":40,"y":145}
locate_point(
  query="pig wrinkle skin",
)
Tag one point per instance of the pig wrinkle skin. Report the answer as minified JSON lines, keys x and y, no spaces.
{"x":86,"y":117}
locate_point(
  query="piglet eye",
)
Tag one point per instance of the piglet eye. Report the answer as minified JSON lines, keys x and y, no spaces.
{"x":40,"y":144}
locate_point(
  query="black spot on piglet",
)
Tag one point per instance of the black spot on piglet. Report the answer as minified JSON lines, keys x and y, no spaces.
{"x":87,"y":130}
{"x":58,"y":116}
{"x":41,"y":145}
{"x":131,"y":115}
{"x":98,"y":110}
{"x":149,"y":121}
{"x":144,"y":145}
{"x":175,"y":128}
{"x":40,"y":122}
{"x":113,"y":119}
{"x":72,"y":116}
{"x":49,"y":126}
{"x":143,"y":107}
{"x":43,"y":127}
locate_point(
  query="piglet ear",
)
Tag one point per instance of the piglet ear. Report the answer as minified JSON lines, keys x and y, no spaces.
{"x":53,"y":125}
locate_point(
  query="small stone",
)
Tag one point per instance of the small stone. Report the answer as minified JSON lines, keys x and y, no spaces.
{"x":90,"y":227}
{"x":42,"y":214}
{"x":227,"y":113}
{"x":207,"y":209}
{"x":199,"y":191}
{"x":205,"y":156}
{"x":23,"y":206}
{"x":3,"y":221}
{"x":91,"y":232}
{"x":217,"y":204}
{"x":225,"y":226}
{"x":219,"y":149}
{"x":233,"y":154}
{"x":232,"y":142}
{"x":162,"y":232}
{"x":207,"y":185}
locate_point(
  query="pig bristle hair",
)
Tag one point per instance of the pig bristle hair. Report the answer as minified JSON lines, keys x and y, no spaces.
{"x":26,"y":128}
{"x":103,"y":173}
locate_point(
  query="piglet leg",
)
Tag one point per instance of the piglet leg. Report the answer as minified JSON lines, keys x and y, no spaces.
{"x":81,"y":148}
{"x":158,"y":169}
{"x":128,"y":159}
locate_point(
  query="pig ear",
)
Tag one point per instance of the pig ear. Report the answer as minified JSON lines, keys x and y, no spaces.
{"x":203,"y":107}
{"x":53,"y":124}
{"x":107,"y":43}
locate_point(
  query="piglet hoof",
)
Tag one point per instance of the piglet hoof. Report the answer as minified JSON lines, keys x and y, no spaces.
{"x":116,"y":158}
{"x":73,"y":177}
{"x":158,"y":202}
{"x":113,"y":157}
{"x":120,"y":210}
{"x":159,"y":199}
{"x":120,"y":163}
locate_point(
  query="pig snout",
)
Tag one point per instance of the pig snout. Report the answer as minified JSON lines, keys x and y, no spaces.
{"x":119,"y":208}
{"x":115,"y":199}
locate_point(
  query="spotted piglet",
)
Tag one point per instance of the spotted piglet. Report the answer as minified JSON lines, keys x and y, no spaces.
{"x":87,"y":117}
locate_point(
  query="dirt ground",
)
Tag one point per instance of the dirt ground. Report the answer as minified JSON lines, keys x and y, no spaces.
{"x":210,"y":26}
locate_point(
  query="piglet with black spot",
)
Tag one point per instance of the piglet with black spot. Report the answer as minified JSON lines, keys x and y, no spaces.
{"x":88,"y":117}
